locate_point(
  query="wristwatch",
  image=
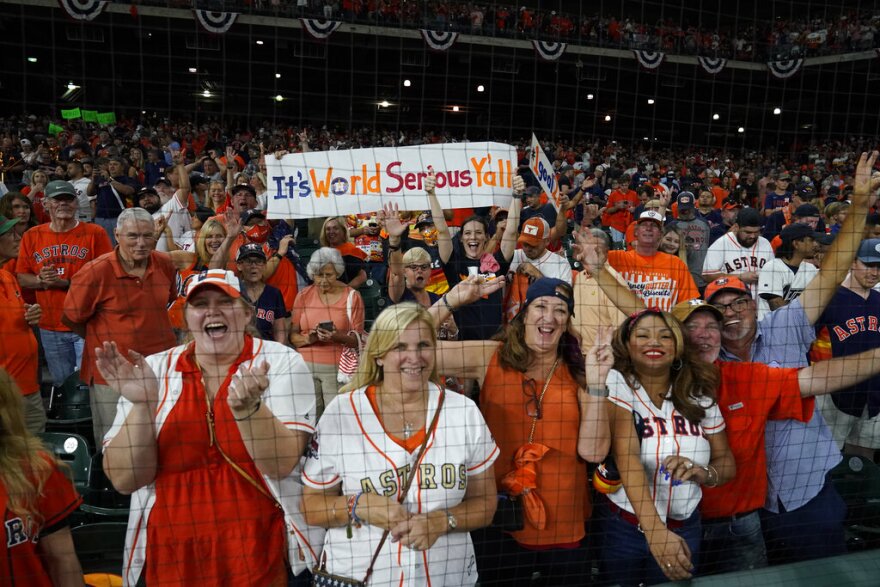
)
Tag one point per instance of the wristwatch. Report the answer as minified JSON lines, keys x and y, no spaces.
{"x":451,"y":522}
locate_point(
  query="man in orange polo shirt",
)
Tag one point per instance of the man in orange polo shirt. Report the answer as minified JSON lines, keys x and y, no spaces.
{"x":121,"y":296}
{"x":18,"y":349}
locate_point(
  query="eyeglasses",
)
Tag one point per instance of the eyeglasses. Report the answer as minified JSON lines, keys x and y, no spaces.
{"x":423,"y":267}
{"x":533,"y":405}
{"x":737,"y":305}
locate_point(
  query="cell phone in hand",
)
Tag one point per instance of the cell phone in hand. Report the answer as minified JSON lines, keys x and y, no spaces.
{"x":327,"y":326}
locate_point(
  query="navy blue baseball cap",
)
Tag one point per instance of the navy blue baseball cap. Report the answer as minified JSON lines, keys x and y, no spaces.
{"x":550,"y":286}
{"x":869,"y":251}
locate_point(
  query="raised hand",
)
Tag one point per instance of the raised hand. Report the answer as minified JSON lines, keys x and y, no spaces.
{"x":519,"y":186}
{"x":430,"y":181}
{"x":599,"y":359}
{"x":865,"y":182}
{"x":390,"y":213}
{"x":472,"y":289}
{"x":589,"y":250}
{"x":247,"y":388}
{"x":132,"y":377}
{"x":233,"y":223}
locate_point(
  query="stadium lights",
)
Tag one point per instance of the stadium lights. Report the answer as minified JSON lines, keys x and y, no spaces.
{"x":384,"y":104}
{"x":193,"y":70}
{"x":279,"y":98}
{"x":716,"y":116}
{"x":650,"y":101}
{"x":277,"y":76}
{"x":607,"y":118}
{"x":72,"y":86}
{"x":207,"y":93}
{"x":455,"y":108}
{"x":589,"y":96}
{"x":32,"y":59}
{"x":645,"y":139}
{"x":481,"y":88}
{"x":777,"y":111}
{"x":259,"y":42}
{"x":740,"y":130}
{"x":406,"y":83}
{"x":143,"y":111}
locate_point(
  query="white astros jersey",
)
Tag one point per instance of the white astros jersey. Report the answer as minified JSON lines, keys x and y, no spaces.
{"x":727,"y":256}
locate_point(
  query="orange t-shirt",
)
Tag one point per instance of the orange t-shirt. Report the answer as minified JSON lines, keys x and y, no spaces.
{"x":620,"y":219}
{"x":18,"y":349}
{"x":661,"y":280}
{"x":562,"y":475}
{"x":68,"y":252}
{"x":749,"y":395}
{"x":309,"y":311}
{"x":116,"y":306}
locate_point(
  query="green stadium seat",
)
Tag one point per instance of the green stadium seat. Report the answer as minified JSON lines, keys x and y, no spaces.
{"x":69,"y":409}
{"x":101,"y":502}
{"x":100,"y":546}
{"x":857,"y":479}
{"x":73,"y":451}
{"x":374,"y":302}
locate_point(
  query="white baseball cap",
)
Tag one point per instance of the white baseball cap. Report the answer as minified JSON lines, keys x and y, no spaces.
{"x":225,"y":281}
{"x":652,"y":215}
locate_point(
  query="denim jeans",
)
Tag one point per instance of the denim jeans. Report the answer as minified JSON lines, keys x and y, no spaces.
{"x":109,"y":225}
{"x":63,"y":352}
{"x":626,"y":558}
{"x":734,"y":545}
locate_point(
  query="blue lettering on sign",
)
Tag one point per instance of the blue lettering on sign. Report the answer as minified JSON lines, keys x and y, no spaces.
{"x":339,"y":186}
{"x":547,"y":178}
{"x":285,"y":187}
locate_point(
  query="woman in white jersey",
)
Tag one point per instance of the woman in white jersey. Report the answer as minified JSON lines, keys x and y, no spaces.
{"x":667,"y":440}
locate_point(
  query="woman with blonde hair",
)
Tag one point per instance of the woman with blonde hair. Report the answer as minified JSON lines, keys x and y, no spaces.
{"x":38,"y":498}
{"x":672,"y":242}
{"x":334,"y":233}
{"x":216,"y":199}
{"x":370,"y":480}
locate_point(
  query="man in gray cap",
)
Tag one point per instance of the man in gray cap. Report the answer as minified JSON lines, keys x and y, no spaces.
{"x":49,"y":256}
{"x":695,"y":232}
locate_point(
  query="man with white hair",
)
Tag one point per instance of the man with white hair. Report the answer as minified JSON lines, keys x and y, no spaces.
{"x":121,"y":296}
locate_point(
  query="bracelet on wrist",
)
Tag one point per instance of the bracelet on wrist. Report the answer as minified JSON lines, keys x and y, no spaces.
{"x":251,"y":413}
{"x":711,"y":476}
{"x":448,"y":305}
{"x":393,"y":247}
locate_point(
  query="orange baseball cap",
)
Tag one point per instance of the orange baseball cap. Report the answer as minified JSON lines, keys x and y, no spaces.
{"x":726,"y":284}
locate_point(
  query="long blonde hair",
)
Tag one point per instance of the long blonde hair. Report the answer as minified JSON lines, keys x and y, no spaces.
{"x":206,"y":229}
{"x":342,"y":224}
{"x":384,"y":336}
{"x":24,"y":463}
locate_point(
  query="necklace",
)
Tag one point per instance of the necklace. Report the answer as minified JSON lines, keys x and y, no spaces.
{"x":407,"y":429}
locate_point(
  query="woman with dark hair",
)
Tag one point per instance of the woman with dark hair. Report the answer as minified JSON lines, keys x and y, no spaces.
{"x":467,"y":255}
{"x":668,"y":440}
{"x":18,"y":205}
{"x":673,"y":242}
{"x":534,"y":385}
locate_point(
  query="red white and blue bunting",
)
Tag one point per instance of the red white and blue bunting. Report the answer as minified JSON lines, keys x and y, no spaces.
{"x":215,"y":22}
{"x":785,"y":69}
{"x":712,"y":65}
{"x":649,"y":59}
{"x":84,"y":10}
{"x":439,"y":41}
{"x":549,"y":50}
{"x":320,"y":29}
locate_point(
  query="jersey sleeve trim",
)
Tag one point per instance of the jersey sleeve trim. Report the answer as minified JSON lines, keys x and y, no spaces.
{"x":320,"y":484}
{"x":486,"y":463}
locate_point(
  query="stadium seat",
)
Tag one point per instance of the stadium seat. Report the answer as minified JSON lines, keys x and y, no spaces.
{"x":857,"y":479}
{"x":374,"y":302}
{"x":73,"y":451}
{"x":101,"y":502}
{"x":69,"y":409}
{"x":100,"y":546}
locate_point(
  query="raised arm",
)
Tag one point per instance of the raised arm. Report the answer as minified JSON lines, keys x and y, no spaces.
{"x":389,"y":218}
{"x":220,"y":258}
{"x":444,"y":238}
{"x":594,"y":433}
{"x":593,"y":256}
{"x":839,"y":258}
{"x":511,"y":231}
{"x":836,"y":374}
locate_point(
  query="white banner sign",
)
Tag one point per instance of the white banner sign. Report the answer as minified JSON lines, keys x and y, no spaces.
{"x":360,"y":181}
{"x":544,"y":172}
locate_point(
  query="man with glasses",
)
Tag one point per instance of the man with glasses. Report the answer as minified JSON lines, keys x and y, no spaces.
{"x":121,"y":296}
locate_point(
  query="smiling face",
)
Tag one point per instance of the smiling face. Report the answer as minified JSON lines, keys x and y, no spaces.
{"x":651,"y":345}
{"x":703,"y":331}
{"x":408,"y":366}
{"x":545,"y":321}
{"x":473,"y":238}
{"x":866,"y":275}
{"x":217,"y":193}
{"x":740,"y":316}
{"x":670,"y":243}
{"x":217,"y":321}
{"x":648,"y":233}
{"x":334,"y":233}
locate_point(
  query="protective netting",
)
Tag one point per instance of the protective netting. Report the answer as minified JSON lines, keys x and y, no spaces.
{"x":303,"y":168}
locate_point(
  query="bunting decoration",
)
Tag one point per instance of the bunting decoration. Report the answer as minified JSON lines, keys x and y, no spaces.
{"x":215,"y":22}
{"x":439,"y":41}
{"x":712,"y":65}
{"x":320,"y":29}
{"x":549,"y":50}
{"x":83,"y":10}
{"x":786,"y":68}
{"x":650,"y":60}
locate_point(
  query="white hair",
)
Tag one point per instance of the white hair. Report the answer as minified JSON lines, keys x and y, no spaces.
{"x":325,"y":256}
{"x":135,"y":214}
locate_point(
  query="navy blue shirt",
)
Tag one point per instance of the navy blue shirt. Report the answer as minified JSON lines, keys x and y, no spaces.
{"x":107,"y":204}
{"x":268,"y":309}
{"x":853,"y":325}
{"x":482,"y":319}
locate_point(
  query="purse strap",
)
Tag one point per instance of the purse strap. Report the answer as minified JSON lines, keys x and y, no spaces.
{"x":409,"y":480}
{"x":541,"y":399}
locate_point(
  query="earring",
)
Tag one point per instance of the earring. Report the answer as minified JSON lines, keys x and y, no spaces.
{"x":676,"y":364}
{"x":379,"y":363}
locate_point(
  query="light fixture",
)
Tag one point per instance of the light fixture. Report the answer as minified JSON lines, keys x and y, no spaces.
{"x":481,"y":88}
{"x":455,"y":108}
{"x":279,"y":98}
{"x":259,"y":42}
{"x":645,"y":139}
{"x":143,"y":111}
{"x":207,"y":93}
{"x":72,"y":86}
{"x":716,"y":116}
{"x":193,"y":70}
{"x":607,"y":118}
{"x":589,"y":96}
{"x":277,"y":76}
{"x":777,"y":111}
{"x":406,"y":83}
{"x":740,"y":129}
{"x":32,"y":59}
{"x":650,"y":101}
{"x":384,"y":104}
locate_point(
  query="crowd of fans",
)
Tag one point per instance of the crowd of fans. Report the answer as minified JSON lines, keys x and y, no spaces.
{"x":752,"y":40}
{"x":142,"y":257}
